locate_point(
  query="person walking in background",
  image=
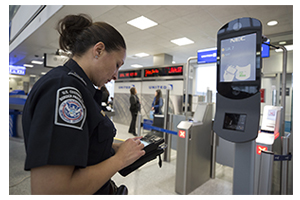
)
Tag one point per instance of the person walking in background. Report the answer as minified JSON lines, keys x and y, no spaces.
{"x":157,"y":102}
{"x":135,"y":107}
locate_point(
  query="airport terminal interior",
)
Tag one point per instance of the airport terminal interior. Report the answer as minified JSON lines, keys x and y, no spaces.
{"x":224,"y":128}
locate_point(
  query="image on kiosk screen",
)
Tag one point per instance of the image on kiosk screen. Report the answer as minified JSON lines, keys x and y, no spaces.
{"x":238,"y":56}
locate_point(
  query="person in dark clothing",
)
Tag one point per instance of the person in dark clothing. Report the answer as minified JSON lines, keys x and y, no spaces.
{"x":104,"y":99}
{"x":157,"y":102}
{"x":68,"y":138}
{"x":135,"y":107}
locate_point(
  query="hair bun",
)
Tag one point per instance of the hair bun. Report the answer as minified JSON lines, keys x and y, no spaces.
{"x":78,"y":33}
{"x":69,"y":27}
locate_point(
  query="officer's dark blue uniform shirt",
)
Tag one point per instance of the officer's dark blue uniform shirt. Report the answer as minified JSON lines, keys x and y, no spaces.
{"x":63,"y":124}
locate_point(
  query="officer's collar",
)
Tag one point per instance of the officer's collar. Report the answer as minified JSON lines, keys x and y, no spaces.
{"x":74,"y":67}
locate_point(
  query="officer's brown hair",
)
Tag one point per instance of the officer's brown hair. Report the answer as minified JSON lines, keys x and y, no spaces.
{"x":78,"y":33}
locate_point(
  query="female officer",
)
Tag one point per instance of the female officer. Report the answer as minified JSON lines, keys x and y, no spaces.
{"x":68,"y":138}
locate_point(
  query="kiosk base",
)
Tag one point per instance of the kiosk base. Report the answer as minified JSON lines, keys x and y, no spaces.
{"x":244,"y":167}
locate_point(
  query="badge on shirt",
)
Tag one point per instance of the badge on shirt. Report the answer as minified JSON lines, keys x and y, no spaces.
{"x":103,"y":113}
{"x":70,"y":110}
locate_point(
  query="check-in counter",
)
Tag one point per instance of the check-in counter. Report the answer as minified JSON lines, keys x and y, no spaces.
{"x":17,"y":99}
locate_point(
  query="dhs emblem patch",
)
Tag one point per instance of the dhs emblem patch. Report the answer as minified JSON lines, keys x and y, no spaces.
{"x":70,"y":110}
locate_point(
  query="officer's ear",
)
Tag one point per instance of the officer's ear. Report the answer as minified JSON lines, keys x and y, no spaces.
{"x":98,"y":49}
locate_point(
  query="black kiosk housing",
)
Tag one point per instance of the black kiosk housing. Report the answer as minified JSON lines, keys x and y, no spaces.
{"x":238,"y":80}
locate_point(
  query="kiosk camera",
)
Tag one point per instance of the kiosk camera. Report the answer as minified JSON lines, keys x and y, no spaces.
{"x":238,"y":80}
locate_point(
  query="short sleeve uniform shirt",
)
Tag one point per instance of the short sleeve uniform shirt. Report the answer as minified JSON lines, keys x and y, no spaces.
{"x":63,"y":124}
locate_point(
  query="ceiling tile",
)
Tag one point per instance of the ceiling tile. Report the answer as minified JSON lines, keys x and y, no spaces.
{"x":143,"y":9}
{"x":161,"y":15}
{"x":118,"y":15}
{"x":182,"y":10}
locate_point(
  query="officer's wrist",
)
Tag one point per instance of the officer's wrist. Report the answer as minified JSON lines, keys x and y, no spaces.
{"x":118,"y":162}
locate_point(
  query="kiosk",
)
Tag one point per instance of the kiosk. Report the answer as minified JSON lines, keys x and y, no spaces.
{"x":267,"y":140}
{"x":238,"y":98}
{"x":193,"y":163}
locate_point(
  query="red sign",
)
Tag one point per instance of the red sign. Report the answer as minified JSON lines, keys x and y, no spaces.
{"x":149,"y":72}
{"x":129,"y":74}
{"x":164,"y":71}
{"x":262,"y":95}
{"x":181,"y":133}
{"x":175,"y":70}
{"x":260,"y":148}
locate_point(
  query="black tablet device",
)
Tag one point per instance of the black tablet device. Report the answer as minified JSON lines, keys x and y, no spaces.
{"x":153,"y":146}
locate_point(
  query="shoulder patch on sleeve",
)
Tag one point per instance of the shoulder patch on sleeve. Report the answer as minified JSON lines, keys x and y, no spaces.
{"x":69,"y":110}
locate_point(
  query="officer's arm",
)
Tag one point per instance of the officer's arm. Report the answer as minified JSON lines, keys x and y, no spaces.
{"x":51,"y":179}
{"x":58,"y":179}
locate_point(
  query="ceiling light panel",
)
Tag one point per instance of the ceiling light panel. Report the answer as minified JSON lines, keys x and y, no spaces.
{"x":136,"y":66}
{"x":182,"y":41}
{"x":282,"y":42}
{"x":28,"y":65}
{"x":141,"y":55}
{"x":37,"y":62}
{"x":272,"y":23}
{"x":142,"y":23}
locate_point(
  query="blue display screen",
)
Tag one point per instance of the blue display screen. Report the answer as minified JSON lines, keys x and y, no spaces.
{"x":265,"y":50}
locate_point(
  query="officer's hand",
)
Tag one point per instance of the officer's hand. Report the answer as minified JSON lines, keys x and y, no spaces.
{"x":137,"y":138}
{"x":130,"y":150}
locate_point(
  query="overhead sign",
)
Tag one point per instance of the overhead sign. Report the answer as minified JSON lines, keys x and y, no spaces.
{"x":129,"y":74}
{"x":18,"y":70}
{"x":124,"y":87}
{"x":165,"y":71}
{"x":175,"y":87}
{"x":207,"y":56}
{"x":265,"y":50}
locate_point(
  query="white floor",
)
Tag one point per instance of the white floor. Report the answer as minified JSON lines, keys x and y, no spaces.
{"x":148,"y":180}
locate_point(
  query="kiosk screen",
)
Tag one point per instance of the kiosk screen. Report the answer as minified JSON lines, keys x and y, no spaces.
{"x":235,"y":121}
{"x":238,"y":58}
